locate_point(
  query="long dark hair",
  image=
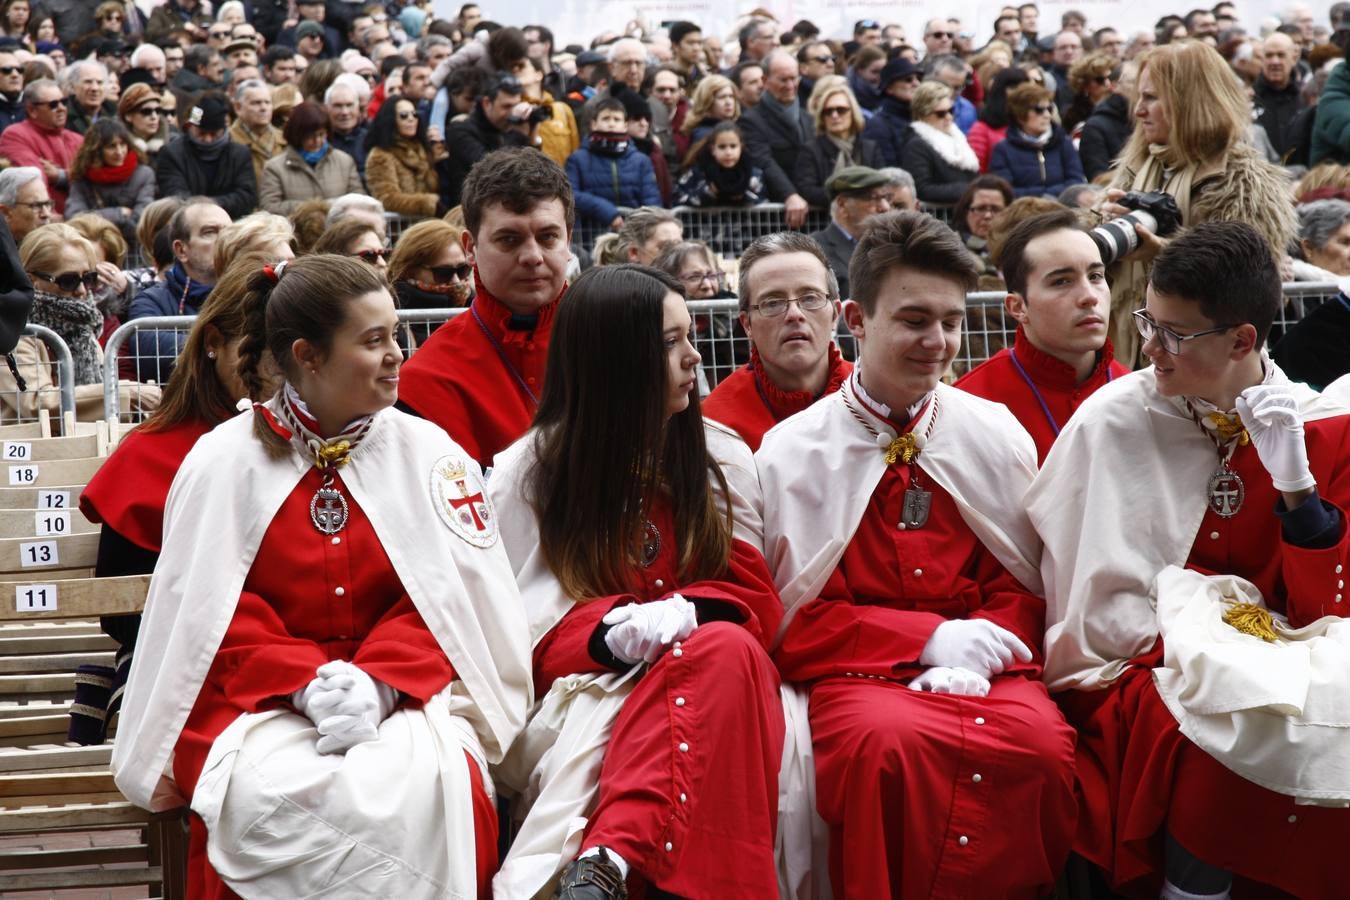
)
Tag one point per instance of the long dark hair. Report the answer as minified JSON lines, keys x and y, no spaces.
{"x":384,"y":129}
{"x":995,"y":111}
{"x":100,"y":134}
{"x":700,"y":154}
{"x":591,"y":477}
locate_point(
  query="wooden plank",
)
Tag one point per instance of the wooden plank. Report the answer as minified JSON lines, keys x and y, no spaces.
{"x":10,"y":709}
{"x":29,"y":881}
{"x":80,"y":598}
{"x":45,"y":759}
{"x":31,"y":523}
{"x":36,"y":628}
{"x":75,"y":643}
{"x":65,"y":663}
{"x":28,"y":497}
{"x":54,"y":472}
{"x":73,"y":815}
{"x":26,"y":731}
{"x":43,"y":783}
{"x":16,"y":860}
{"x":52,"y":448}
{"x":51,"y":553}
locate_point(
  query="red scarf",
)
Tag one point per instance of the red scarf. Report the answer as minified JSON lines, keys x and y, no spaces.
{"x":114,"y":174}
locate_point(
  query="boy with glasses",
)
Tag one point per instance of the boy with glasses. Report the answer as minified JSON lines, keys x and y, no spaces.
{"x":42,"y":139}
{"x":789,"y":307}
{"x":1194,"y":766}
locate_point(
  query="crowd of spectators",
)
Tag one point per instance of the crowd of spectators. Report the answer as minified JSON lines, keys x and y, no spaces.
{"x":106,"y":109}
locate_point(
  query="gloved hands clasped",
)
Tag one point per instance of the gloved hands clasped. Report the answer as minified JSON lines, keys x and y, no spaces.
{"x":641,"y":632}
{"x":345,"y":704}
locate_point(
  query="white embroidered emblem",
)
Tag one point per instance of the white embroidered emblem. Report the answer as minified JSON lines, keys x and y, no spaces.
{"x":460,"y":500}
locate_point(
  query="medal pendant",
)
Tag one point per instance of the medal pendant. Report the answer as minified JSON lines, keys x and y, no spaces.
{"x":915,"y":511}
{"x":1226,"y":493}
{"x":651,"y":544}
{"x":328,"y":510}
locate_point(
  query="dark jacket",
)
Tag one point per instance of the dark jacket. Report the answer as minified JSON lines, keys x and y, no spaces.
{"x":16,"y":291}
{"x":1036,"y":171}
{"x":1104,"y":134}
{"x":468,"y":140}
{"x":1317,"y":349}
{"x":107,"y":200}
{"x":176,"y":295}
{"x":1331,"y":129}
{"x":353,"y":144}
{"x":774,"y":145}
{"x":695,"y":188}
{"x":603,"y":183}
{"x":230,"y":182}
{"x":11,"y":111}
{"x":78,"y":118}
{"x":1063,"y":89}
{"x":1275,"y":111}
{"x":839,"y":251}
{"x":815,"y":165}
{"x":889,"y":129}
{"x":935,"y":179}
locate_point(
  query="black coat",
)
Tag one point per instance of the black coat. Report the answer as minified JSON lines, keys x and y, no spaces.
{"x":12,"y":111}
{"x":353,"y":144}
{"x":468,"y":140}
{"x":1275,"y":111}
{"x":774,"y":146}
{"x":816,"y":162}
{"x":16,"y":291}
{"x":1104,"y":134}
{"x":230,"y":183}
{"x":889,"y":128}
{"x":839,"y":251}
{"x":935,"y":179}
{"x":1317,"y":349}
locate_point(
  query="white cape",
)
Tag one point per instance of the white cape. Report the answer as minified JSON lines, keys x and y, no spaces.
{"x":554,"y":768}
{"x":221,"y":503}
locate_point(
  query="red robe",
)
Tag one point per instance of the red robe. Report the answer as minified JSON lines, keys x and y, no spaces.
{"x":1137,"y":773}
{"x":749,"y":403}
{"x":928,"y":795}
{"x":128,"y":492}
{"x":291,"y":620}
{"x":1048,"y":381}
{"x":478,"y":378}
{"x":689,"y":786}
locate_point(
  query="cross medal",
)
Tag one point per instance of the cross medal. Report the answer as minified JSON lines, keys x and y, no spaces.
{"x":1226,"y":492}
{"x":328,"y":510}
{"x":914,"y":514}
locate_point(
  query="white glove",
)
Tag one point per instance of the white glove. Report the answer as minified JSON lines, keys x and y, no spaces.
{"x":945,"y":680}
{"x":642,"y":631}
{"x":976,"y":645}
{"x":346,"y":705}
{"x":1275,"y":425}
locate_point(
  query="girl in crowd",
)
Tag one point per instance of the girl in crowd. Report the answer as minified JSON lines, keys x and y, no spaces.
{"x":838,"y":142}
{"x":719,"y":172}
{"x":14,"y":16}
{"x":714,"y":101}
{"x":649,"y":598}
{"x":342,"y":646}
{"x":937,"y":154}
{"x":108,"y":178}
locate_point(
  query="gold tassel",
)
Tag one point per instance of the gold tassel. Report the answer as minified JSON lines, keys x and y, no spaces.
{"x":904,"y":448}
{"x":1249,"y":618}
{"x":1228,"y":427}
{"x":333,"y":454}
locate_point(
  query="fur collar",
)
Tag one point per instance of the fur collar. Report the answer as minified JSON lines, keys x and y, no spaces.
{"x":952,"y":147}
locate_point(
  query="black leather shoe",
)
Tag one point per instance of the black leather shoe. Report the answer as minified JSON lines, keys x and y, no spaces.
{"x":592,"y":878}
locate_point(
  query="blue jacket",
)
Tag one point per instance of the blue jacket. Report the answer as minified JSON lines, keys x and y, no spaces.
{"x":965,"y":113}
{"x":889,"y":129}
{"x":1036,"y":171}
{"x":604,"y":183}
{"x":176,"y":295}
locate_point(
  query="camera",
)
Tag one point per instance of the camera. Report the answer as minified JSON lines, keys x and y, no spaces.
{"x":541,"y":113}
{"x":1155,"y":210}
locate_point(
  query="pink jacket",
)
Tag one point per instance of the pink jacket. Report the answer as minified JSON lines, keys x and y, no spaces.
{"x":982,"y":139}
{"x":26,"y":144}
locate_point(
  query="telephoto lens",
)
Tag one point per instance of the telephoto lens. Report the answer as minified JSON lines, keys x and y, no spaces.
{"x":1155,"y":210}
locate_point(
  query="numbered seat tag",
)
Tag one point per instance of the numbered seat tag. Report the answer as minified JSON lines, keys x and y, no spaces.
{"x":51,"y":522}
{"x":35,"y":598}
{"x":21,"y":475}
{"x":39,"y":554}
{"x":16,"y":451}
{"x":53,"y":500}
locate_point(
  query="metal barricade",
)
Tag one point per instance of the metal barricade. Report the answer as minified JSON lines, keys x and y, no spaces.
{"x":728,"y":230}
{"x":22,"y":406}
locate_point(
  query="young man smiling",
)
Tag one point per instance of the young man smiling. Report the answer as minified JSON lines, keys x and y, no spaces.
{"x":894,"y":527}
{"x":1058,"y":294}
{"x":1194,"y":766}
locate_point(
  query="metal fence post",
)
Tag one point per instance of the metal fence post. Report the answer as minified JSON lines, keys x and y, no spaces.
{"x":65,"y":365}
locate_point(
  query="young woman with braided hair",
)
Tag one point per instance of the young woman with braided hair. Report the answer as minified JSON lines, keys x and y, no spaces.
{"x":341,"y":645}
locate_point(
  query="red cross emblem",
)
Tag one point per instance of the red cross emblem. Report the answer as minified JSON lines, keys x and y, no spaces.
{"x":471,"y":501}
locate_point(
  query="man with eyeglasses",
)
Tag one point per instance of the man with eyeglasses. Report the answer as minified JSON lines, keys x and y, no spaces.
{"x":856,"y":194}
{"x":815,"y":60}
{"x":894,"y":526}
{"x":11,"y":90}
{"x":937,"y":37}
{"x":889,"y":125}
{"x":789,"y":303}
{"x":42,"y":139}
{"x":1058,"y":295}
{"x":24,"y":202}
{"x":1209,"y":463}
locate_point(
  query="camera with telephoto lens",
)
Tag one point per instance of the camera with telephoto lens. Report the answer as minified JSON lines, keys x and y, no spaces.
{"x":1155,"y":210}
{"x":541,"y":113}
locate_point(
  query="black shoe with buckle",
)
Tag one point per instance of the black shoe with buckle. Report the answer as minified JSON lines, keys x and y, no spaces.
{"x":592,"y":878}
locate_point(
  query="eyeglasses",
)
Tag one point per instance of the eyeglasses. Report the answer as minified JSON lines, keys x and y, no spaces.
{"x":1168,"y":339}
{"x":218,"y":34}
{"x":986,"y":210}
{"x":940,"y":35}
{"x":406,"y":114}
{"x":446,"y":274}
{"x":875,"y":198}
{"x":372,"y":256}
{"x":822,"y":60}
{"x":53,"y":105}
{"x":693,"y":279}
{"x":829,"y":111}
{"x":1043,"y":108}
{"x":70,"y":281}
{"x":10,"y":70}
{"x":37,"y":204}
{"x":147,"y":111}
{"x":627,"y":63}
{"x":807,"y":302}
{"x":944,"y":113}
{"x":912,"y":79}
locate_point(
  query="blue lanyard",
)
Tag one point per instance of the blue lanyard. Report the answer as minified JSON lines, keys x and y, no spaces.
{"x":1054,"y":426}
{"x":501,"y":354}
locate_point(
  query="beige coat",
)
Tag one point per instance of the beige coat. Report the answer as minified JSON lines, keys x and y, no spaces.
{"x":43,"y":392}
{"x":261,"y":147}
{"x":402,"y":178}
{"x":287,"y":180}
